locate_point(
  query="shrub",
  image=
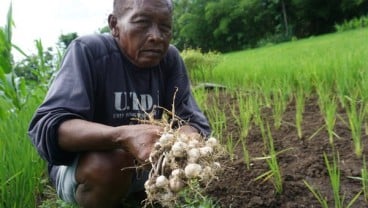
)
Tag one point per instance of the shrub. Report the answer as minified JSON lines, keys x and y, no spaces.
{"x":352,"y":24}
{"x":200,"y":65}
{"x":270,"y":40}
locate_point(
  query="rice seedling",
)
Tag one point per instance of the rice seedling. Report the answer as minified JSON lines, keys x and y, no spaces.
{"x":364,"y":180}
{"x":334,"y":174}
{"x":243,"y":118}
{"x":230,"y":146}
{"x":328,"y":106}
{"x":364,"y":173}
{"x":21,"y":169}
{"x":260,"y":123}
{"x":356,"y":112}
{"x":246,"y":156}
{"x":302,"y":90}
{"x":265,"y":90}
{"x":330,"y":117}
{"x":201,"y":98}
{"x":271,"y":159}
{"x":218,"y":121}
{"x":299,"y":103}
{"x":321,"y":199}
{"x":279,"y":107}
{"x":344,"y":86}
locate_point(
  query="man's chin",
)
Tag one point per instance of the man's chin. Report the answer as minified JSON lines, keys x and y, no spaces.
{"x":148,"y":62}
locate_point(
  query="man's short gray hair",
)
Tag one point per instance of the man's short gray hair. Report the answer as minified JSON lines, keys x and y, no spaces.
{"x":120,"y":6}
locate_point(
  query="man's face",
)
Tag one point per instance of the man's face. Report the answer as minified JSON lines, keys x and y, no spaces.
{"x":144,"y":31}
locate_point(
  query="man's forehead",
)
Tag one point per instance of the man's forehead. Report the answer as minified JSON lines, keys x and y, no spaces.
{"x":139,"y":3}
{"x":121,"y":7}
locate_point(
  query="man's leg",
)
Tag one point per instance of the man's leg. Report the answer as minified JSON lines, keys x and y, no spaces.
{"x":101,"y":182}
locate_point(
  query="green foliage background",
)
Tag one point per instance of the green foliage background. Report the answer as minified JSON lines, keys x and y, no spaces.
{"x":228,"y":25}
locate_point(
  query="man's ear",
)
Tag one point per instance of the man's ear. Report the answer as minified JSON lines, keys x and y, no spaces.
{"x":113,"y":21}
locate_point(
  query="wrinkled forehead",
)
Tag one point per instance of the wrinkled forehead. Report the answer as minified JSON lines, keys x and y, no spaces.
{"x":158,"y":3}
{"x":121,"y":6}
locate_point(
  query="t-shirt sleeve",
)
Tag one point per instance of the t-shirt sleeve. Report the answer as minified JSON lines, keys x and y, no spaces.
{"x":70,"y":96}
{"x":178,"y":84}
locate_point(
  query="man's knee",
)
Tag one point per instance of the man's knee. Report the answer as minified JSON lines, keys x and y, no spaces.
{"x":104,"y":167}
{"x":100,"y":176}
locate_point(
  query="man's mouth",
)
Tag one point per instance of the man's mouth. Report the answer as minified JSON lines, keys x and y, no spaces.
{"x":154,"y":52}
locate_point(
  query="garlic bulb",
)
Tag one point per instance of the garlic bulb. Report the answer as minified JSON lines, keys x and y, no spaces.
{"x":192,"y":170}
{"x":177,"y":173}
{"x":166,"y":139}
{"x":179,"y":149}
{"x":212,"y":141}
{"x":205,"y":151}
{"x":193,"y":143}
{"x":193,"y":155}
{"x":161,"y":181}
{"x":175,"y":184}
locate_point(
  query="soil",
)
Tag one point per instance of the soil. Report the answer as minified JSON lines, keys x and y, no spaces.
{"x":303,"y":160}
{"x":299,"y":160}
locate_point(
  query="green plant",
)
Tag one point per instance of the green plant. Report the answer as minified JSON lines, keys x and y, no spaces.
{"x":330,"y":118}
{"x":217,"y":119}
{"x":334,"y":175}
{"x":201,"y":98}
{"x":21,"y":169}
{"x":246,"y":156}
{"x":354,"y":23}
{"x":230,"y":146}
{"x":15,"y":77}
{"x":13,"y":88}
{"x":192,"y":199}
{"x":365,"y":180}
{"x":271,"y":159}
{"x":327,"y":104}
{"x":260,"y":123}
{"x":280,"y":101}
{"x":299,"y":103}
{"x":356,"y":112}
{"x":200,"y":65}
{"x":243,"y":118}
{"x":321,"y":199}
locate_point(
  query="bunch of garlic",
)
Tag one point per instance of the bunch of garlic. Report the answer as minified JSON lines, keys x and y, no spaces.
{"x":177,"y":160}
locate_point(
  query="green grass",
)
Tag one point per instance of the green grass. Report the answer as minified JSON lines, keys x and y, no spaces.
{"x":21,"y":169}
{"x":325,"y":57}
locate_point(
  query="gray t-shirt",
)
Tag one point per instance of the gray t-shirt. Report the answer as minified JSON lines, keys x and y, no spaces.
{"x":96,"y":82}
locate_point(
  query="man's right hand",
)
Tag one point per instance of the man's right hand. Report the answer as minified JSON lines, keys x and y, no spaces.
{"x":78,"y":135}
{"x":139,"y":139}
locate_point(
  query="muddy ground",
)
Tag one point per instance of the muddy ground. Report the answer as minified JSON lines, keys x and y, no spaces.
{"x":300,"y":160}
{"x":304,"y":161}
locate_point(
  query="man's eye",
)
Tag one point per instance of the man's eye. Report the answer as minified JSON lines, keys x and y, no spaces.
{"x":168,"y":27}
{"x":165,"y":27}
{"x":142,"y":22}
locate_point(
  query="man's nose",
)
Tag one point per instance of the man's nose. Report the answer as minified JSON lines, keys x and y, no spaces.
{"x":154,"y":33}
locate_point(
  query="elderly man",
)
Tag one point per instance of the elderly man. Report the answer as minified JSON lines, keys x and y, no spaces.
{"x":86,"y":127}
